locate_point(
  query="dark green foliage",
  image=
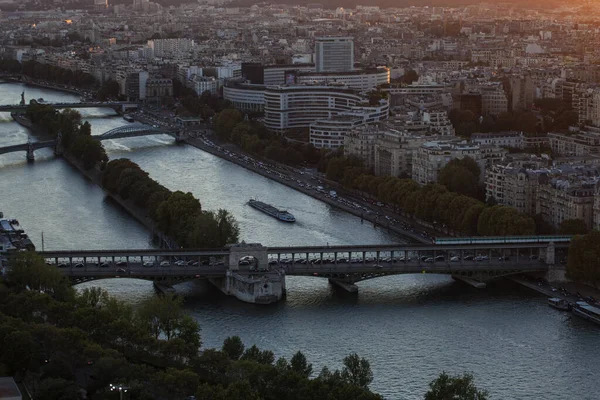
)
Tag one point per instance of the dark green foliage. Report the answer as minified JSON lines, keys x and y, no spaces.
{"x":109,"y":90}
{"x":573,"y":227}
{"x":433,"y":203}
{"x":49,"y":72}
{"x":462,"y":176}
{"x":177,"y":214}
{"x":65,"y":348}
{"x":233,"y":347}
{"x":447,"y":387}
{"x":255,"y":139}
{"x":584,"y":258}
{"x":77,"y":138}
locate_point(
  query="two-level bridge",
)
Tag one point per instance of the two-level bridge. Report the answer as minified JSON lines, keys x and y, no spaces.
{"x":242,"y":267}
{"x":125,"y":131}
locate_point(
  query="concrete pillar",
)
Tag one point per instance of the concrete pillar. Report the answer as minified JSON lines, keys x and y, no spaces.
{"x":550,"y":254}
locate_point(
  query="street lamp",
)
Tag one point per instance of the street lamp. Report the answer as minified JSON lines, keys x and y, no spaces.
{"x":121,"y":388}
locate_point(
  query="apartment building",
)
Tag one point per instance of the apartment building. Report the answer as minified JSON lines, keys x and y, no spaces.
{"x":583,"y":142}
{"x":432,"y":156}
{"x":561,"y":200}
{"x":493,"y":100}
{"x":513,"y":187}
{"x":501,"y":139}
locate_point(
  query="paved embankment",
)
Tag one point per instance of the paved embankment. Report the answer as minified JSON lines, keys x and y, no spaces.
{"x":381,"y":222}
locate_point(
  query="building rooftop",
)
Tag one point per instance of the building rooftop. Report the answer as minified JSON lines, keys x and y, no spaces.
{"x":9,"y":389}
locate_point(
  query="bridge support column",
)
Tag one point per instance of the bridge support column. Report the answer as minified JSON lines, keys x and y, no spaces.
{"x":348,"y":287}
{"x":549,"y":255}
{"x":30,"y":150}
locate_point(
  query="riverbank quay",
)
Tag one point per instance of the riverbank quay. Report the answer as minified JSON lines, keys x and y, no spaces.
{"x":95,"y":176}
{"x":45,"y":85}
{"x":555,"y":289}
{"x":375,"y":220}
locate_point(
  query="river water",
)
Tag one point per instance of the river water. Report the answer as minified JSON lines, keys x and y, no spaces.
{"x":410,"y":327}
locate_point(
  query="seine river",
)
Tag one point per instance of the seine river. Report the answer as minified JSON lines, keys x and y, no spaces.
{"x":410,"y":327}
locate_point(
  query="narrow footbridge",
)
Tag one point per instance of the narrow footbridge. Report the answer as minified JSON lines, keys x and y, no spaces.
{"x":350,"y":264}
{"x":130,"y":130}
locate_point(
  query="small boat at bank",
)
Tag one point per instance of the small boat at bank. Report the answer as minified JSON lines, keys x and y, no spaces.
{"x":128,"y":118}
{"x":268,"y":209}
{"x":559,"y":304}
{"x":587,"y":311}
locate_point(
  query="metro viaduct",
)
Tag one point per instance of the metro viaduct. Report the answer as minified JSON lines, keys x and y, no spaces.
{"x":343,"y":265}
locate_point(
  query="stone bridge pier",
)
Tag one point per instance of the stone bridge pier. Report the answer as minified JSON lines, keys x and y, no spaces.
{"x":249,"y":277}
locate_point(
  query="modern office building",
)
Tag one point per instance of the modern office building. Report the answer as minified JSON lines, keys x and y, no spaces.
{"x":297,"y":106}
{"x":334,"y":54}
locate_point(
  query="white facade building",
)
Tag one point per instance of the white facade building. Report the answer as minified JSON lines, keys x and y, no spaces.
{"x":170,"y":47}
{"x":297,"y":106}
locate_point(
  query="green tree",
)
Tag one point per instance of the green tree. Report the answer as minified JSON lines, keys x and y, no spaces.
{"x":163,"y":316}
{"x":58,"y":389}
{"x":29,"y":270}
{"x":573,"y":227}
{"x":357,"y":371}
{"x":17,"y":353}
{"x":409,"y":77}
{"x":299,"y":364}
{"x":447,"y":387}
{"x":462,"y":176}
{"x":233,"y":347}
{"x":226,"y":120}
{"x":583,"y":264}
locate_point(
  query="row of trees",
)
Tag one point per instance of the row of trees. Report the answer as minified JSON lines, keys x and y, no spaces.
{"x":61,"y":342}
{"x":255,"y":139}
{"x":177,"y":214}
{"x":204,"y":106}
{"x":433,"y":203}
{"x":49,"y":72}
{"x":77,"y":137}
{"x":553,"y":115}
{"x":583,"y":264}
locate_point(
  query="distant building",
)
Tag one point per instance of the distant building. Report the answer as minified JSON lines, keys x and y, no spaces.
{"x":158,"y":89}
{"x":334,"y":54}
{"x":297,"y":106}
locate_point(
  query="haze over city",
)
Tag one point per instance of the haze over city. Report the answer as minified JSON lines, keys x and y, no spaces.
{"x":335,"y":200}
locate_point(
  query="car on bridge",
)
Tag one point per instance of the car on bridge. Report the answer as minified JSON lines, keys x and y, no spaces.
{"x":165,"y":264}
{"x":148,"y":264}
{"x":122,"y":264}
{"x":79,"y":265}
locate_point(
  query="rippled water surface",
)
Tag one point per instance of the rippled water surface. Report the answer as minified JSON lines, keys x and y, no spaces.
{"x":410,"y":327}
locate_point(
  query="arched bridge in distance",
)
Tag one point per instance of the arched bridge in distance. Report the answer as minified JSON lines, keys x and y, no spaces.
{"x":471,"y":261}
{"x":125,"y":131}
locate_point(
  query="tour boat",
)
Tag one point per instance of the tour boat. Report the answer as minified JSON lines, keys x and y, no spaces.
{"x":281,"y":215}
{"x":587,"y":311}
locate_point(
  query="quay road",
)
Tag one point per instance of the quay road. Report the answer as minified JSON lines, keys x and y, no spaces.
{"x":298,"y":180}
